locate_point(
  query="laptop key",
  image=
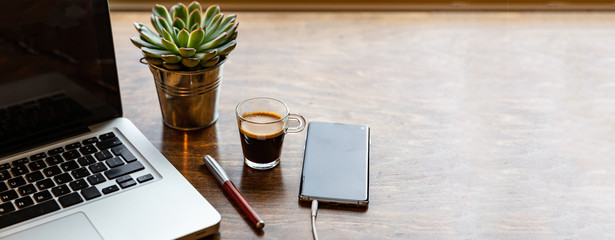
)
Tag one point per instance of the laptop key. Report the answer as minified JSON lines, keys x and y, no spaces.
{"x":91,"y":140}
{"x":124,"y":152}
{"x":123,"y":179}
{"x":80,"y":173}
{"x":123,"y":170}
{"x":6,"y":208}
{"x":98,"y":167}
{"x":28,"y":213}
{"x":63,"y":178}
{"x":69,"y":166}
{"x":107,"y":135}
{"x":34,"y":176}
{"x":44,"y":184}
{"x":5,"y":166}
{"x":53,"y":160}
{"x":55,"y":151}
{"x":8,"y":195}
{"x":87,"y":160}
{"x":110,"y":189}
{"x":24,"y":202}
{"x":38,"y":156}
{"x":26,"y":190}
{"x":103,"y":155}
{"x":60,"y":190}
{"x":89,"y":149}
{"x":52,"y":171}
{"x":21,"y":161}
{"x":128,"y":183}
{"x":19,"y":170}
{"x":37,"y":165}
{"x":16,"y":182}
{"x":78,"y":184}
{"x":4,"y":175}
{"x":145,"y":178}
{"x":42,"y":196}
{"x":3,"y":187}
{"x":96,"y":179}
{"x":108,"y":143}
{"x":114,"y":162}
{"x":73,"y":146}
{"x":70,"y":155}
{"x":90,"y":193}
{"x":70,"y":199}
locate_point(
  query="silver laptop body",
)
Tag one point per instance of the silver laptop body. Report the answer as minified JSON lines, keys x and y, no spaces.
{"x":92,"y":177}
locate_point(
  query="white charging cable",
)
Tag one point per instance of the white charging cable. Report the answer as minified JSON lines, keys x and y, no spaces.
{"x":314,"y":212}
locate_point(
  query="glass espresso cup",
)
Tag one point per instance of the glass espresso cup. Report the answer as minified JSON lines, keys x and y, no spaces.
{"x":263,"y":123}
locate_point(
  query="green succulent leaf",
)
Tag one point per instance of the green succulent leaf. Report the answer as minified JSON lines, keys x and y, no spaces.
{"x":226,"y":48}
{"x":209,"y":30}
{"x":161,"y":11}
{"x":170,"y":46}
{"x":182,"y":38}
{"x":179,"y":23}
{"x":154,"y":23}
{"x":231,"y":29}
{"x":191,"y":62}
{"x":166,"y":35}
{"x":154,"y":61}
{"x":180,"y":11}
{"x":211,"y":62}
{"x":213,"y":43}
{"x":194,"y":5}
{"x":172,"y":66}
{"x":194,"y":19}
{"x":208,"y":55}
{"x":187,"y":52}
{"x":140,"y":43}
{"x":231,"y":18}
{"x":225,"y":24}
{"x":233,"y":37}
{"x":155,"y":53}
{"x":149,"y":36}
{"x":172,"y":58}
{"x":209,"y":15}
{"x":138,"y":25}
{"x":196,"y":37}
{"x":163,"y":24}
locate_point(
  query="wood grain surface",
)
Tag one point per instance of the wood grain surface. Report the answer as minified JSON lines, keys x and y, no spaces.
{"x":484,"y":125}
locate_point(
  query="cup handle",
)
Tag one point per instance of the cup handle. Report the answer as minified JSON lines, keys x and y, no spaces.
{"x":296,"y":123}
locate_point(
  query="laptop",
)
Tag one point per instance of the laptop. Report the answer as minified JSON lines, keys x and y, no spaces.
{"x":71,"y":167}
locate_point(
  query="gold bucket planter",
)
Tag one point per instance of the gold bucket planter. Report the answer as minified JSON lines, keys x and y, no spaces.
{"x":188,"y":99}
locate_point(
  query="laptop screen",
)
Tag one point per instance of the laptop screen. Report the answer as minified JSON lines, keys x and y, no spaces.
{"x":57,"y":70}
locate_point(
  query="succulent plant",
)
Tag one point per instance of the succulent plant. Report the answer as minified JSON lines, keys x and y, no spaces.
{"x":187,"y":38}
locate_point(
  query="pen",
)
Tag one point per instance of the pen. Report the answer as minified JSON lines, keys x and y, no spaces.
{"x":230,"y":188}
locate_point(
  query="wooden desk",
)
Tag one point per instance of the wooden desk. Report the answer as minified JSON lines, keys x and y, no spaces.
{"x":484,"y":125}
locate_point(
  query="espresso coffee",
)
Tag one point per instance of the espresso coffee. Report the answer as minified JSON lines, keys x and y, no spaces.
{"x":261,"y":135}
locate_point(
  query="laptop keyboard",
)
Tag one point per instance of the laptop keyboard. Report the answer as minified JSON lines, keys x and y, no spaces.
{"x":66,"y":176}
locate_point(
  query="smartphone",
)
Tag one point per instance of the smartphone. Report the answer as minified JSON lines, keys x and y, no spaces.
{"x":336,"y":164}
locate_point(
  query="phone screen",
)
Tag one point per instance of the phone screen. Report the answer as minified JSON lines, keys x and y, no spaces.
{"x":336,"y":164}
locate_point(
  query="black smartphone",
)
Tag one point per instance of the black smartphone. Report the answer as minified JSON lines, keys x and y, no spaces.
{"x":336,"y":164}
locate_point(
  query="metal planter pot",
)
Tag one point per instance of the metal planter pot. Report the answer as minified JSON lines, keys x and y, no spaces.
{"x":188,"y":99}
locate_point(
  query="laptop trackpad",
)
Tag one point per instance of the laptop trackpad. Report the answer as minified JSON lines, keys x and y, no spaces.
{"x":75,"y":226}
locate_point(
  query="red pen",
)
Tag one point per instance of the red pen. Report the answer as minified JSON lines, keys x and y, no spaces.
{"x":230,"y":188}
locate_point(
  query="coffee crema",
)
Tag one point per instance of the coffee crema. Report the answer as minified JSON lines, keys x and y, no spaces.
{"x":261,"y":136}
{"x":262,"y":125}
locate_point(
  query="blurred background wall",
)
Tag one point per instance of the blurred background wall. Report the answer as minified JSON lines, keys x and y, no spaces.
{"x":379,"y":5}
